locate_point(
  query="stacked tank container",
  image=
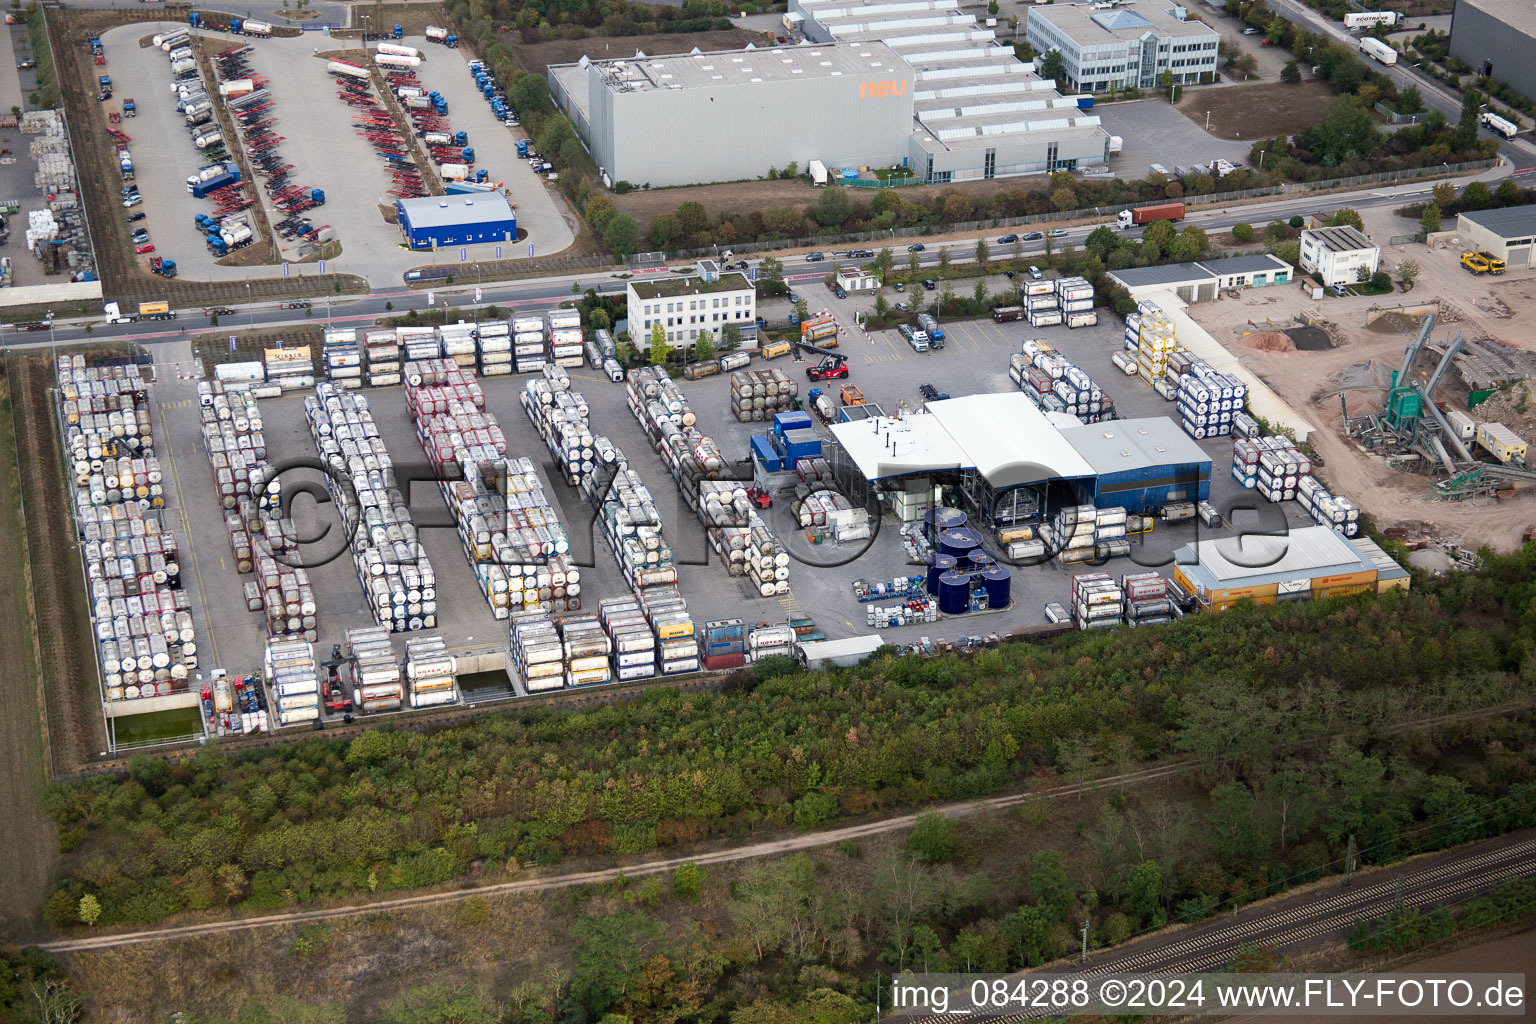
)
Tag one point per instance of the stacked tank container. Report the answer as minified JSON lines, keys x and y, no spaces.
{"x":1273,"y":466}
{"x":1098,"y":602}
{"x":1208,"y":400}
{"x":587,"y":648}
{"x":1146,"y":599}
{"x":560,"y":416}
{"x":457,"y":342}
{"x":757,"y":394}
{"x":381,"y":356}
{"x":342,"y":356}
{"x":565,"y":338}
{"x":431,"y":671}
{"x":495,"y":347}
{"x":375,"y":671}
{"x":1075,"y":295}
{"x":418,"y":343}
{"x":527,"y":344}
{"x":398,"y":582}
{"x":631,"y":524}
{"x":1054,"y":384}
{"x":1157,"y":339}
{"x":537,"y":653}
{"x":676,"y":643}
{"x":1041,"y":304}
{"x":633,"y":643}
{"x":1079,"y":533}
{"x":1334,"y":511}
{"x":289,"y":666}
{"x":290,"y":369}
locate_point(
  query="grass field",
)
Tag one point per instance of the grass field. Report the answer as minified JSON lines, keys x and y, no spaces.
{"x":29,"y":846}
{"x":1258,"y":111}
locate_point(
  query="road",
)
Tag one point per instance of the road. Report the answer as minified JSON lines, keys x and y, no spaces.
{"x":808,"y":841}
{"x":538,"y":294}
{"x":1520,"y":151}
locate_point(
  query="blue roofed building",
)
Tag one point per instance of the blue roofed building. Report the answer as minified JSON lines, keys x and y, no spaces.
{"x":434,"y":222}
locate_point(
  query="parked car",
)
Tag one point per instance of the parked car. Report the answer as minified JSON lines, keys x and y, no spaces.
{"x":901,"y":286}
{"x":24,"y":65}
{"x":1033,"y":236}
{"x":133,"y":200}
{"x":916,"y":247}
{"x":929,"y":285}
{"x":141,"y":250}
{"x":134,"y":218}
{"x":1059,"y":233}
{"x":902,"y":306}
{"x":1012,"y":274}
{"x":1250,"y":31}
{"x":140,"y":237}
{"x":839,"y":291}
{"x":1034,"y":272}
{"x":863,"y":254}
{"x":815,"y":257}
{"x":843,"y":254}
{"x":1007,"y":239}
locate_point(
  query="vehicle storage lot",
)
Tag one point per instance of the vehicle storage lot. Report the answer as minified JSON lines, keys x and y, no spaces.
{"x":495,"y":145}
{"x":975,"y":360}
{"x":1155,"y":132}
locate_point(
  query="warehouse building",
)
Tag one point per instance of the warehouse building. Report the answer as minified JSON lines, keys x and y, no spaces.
{"x":432,"y":222}
{"x":684,"y":306}
{"x":1205,"y":280}
{"x":730,"y":115}
{"x":1497,"y":38}
{"x":1506,"y":233}
{"x":1124,"y":46}
{"x":1141,"y":464}
{"x":1302,"y":565}
{"x":1338,"y":255}
{"x":979,"y":112}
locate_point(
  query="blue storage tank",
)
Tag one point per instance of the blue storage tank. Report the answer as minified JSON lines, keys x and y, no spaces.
{"x":954,"y":593}
{"x":998,"y":581}
{"x":981,"y":560}
{"x":959,"y":542}
{"x":938,"y":565}
{"x":939,"y":519}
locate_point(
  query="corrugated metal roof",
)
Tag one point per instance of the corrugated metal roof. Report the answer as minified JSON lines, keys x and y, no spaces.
{"x":1008,"y":440}
{"x":1124,"y":446}
{"x":452,"y":211}
{"x":1168,"y":274}
{"x":1245,"y":264}
{"x":1250,"y":560}
{"x":1344,"y":238}
{"x":1510,"y":222}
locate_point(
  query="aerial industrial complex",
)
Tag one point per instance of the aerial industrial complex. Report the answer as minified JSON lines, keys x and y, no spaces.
{"x":1125,"y":45}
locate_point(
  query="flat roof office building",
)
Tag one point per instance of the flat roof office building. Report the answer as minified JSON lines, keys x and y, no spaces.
{"x":432,"y":222}
{"x":730,"y":115}
{"x":1124,"y":46}
{"x":684,"y":306}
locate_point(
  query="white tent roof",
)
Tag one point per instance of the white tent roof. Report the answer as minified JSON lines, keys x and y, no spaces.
{"x":1003,"y":436}
{"x":1008,"y":440}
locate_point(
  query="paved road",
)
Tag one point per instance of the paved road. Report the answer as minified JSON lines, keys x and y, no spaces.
{"x":533,"y":295}
{"x":1520,"y":151}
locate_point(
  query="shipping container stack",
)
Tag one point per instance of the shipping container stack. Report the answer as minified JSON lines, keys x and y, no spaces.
{"x":294,"y":679}
{"x":1334,"y":511}
{"x":1043,"y":307}
{"x":1075,"y":296}
{"x":676,"y":640}
{"x":290,"y":369}
{"x":560,"y":416}
{"x":1098,"y":602}
{"x":375,"y":671}
{"x":587,"y":648}
{"x":1054,"y":384}
{"x":725,"y":644}
{"x":1209,"y":400}
{"x":527,"y":344}
{"x":431,"y":671}
{"x":631,"y":524}
{"x":142,"y":617}
{"x":1146,"y":599}
{"x":1273,"y":466}
{"x":770,"y":641}
{"x":634,"y":642}
{"x":419,"y":344}
{"x":1081,"y":533}
{"x":1157,"y":338}
{"x":537,"y":652}
{"x":757,"y":394}
{"x":565,"y":338}
{"x":457,"y":340}
{"x":1244,"y":425}
{"x":381,"y":356}
{"x":342,"y":356}
{"x":494,"y":341}
{"x":398,"y":582}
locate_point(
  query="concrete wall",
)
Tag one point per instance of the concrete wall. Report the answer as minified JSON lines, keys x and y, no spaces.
{"x":1477,"y":36}
{"x":1516,"y":252}
{"x":1013,"y":156}
{"x":737,"y":131}
{"x":42,"y":294}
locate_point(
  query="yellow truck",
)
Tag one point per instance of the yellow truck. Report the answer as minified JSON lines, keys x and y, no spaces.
{"x":156,"y":311}
{"x":1495,"y":265}
{"x":1474,"y":262}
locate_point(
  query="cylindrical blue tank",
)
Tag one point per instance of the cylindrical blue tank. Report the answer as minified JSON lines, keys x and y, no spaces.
{"x":954,"y":593}
{"x":981,"y":560}
{"x":938,"y":565}
{"x":941,"y":518}
{"x":958,"y":542}
{"x":997,"y":579}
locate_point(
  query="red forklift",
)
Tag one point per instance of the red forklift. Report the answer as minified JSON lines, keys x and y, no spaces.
{"x":338,"y":698}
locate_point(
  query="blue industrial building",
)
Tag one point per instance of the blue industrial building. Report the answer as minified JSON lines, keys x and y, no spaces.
{"x":1141,"y":464}
{"x":434,"y":222}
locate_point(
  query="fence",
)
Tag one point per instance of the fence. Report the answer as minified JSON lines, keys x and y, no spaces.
{"x":1394,"y":117}
{"x":1417,"y":236}
{"x":1090,"y":213}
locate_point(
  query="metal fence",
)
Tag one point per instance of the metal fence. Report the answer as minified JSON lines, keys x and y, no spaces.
{"x":1394,"y":117}
{"x":1417,"y":236}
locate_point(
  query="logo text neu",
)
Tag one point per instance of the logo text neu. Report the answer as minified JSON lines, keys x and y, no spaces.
{"x":868,"y":89}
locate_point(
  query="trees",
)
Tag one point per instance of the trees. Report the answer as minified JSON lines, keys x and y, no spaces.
{"x":664,"y":231}
{"x":659,"y":351}
{"x":1242,"y":232}
{"x":1444,"y":193}
{"x":1052,"y":66}
{"x":730,"y":338}
{"x":884,"y":262}
{"x":1429,"y":222}
{"x":1362,"y":274}
{"x":704,"y":346}
{"x":1102,"y":241}
{"x":608,"y":955}
{"x":1064,"y":198}
{"x":1161,"y":233}
{"x":691,"y":219}
{"x":1346,"y":216}
{"x":1466,"y":124}
{"x":1509,"y":193}
{"x":932,"y":839}
{"x":622,"y":236}
{"x":530,"y":94}
{"x":688,"y":880}
{"x":1408,"y":270}
{"x":1190,"y":244}
{"x":982,"y":253}
{"x":1475,"y":196}
{"x":1381,"y":281}
{"x":770,"y":276}
{"x":1291,"y":73}
{"x":1410,"y":100}
{"x":1346,"y":130}
{"x":832,"y":207}
{"x":90,"y":908}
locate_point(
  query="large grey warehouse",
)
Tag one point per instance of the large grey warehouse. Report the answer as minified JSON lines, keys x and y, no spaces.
{"x":1498,"y":38}
{"x":870,"y":84}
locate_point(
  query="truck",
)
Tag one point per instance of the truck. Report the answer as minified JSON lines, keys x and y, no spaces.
{"x":453,"y":172}
{"x":931,"y":327}
{"x":204,"y":139}
{"x":125,"y":163}
{"x":1147,"y":214}
{"x":1378,"y":51}
{"x":1499,"y":126}
{"x":130,"y":109}
{"x":398,"y":50}
{"x":522,"y":147}
{"x":165,"y":268}
{"x":349,"y":70}
{"x":435,"y":34}
{"x":1475,"y":262}
{"x":260,"y":29}
{"x":224,"y":180}
{"x":851,"y":395}
{"x":818,"y":171}
{"x":1362,"y":19}
{"x":156,"y":311}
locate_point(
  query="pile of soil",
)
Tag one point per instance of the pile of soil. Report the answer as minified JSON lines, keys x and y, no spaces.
{"x":1514,"y":407}
{"x":1396,"y":323}
{"x":1271,"y":341}
{"x":1310,"y":339}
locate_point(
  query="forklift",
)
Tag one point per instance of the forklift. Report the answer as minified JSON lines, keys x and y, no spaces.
{"x":337,"y":698}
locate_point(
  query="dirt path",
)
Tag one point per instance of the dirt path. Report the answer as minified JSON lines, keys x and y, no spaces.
{"x":30,"y":845}
{"x":770,"y":848}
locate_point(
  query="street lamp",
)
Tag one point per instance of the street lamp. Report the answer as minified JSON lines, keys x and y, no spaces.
{"x":1207,"y":120}
{"x":248,"y":310}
